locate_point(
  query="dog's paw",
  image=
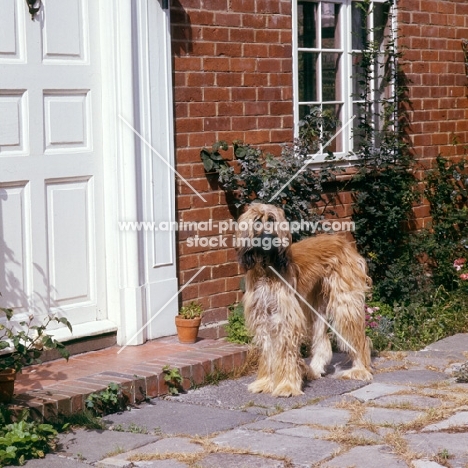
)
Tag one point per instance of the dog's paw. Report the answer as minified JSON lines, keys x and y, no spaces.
{"x":287,"y":390}
{"x":260,"y":385}
{"x":312,"y":374}
{"x":357,"y":374}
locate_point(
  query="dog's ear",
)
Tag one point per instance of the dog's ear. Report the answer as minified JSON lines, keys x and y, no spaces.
{"x":281,"y":260}
{"x":246,"y":258}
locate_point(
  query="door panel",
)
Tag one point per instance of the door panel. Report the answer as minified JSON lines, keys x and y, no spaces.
{"x":51,"y":162}
{"x":65,"y":19}
{"x":11,"y":32}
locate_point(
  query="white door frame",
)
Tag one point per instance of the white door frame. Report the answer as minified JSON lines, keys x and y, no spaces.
{"x":131,"y":89}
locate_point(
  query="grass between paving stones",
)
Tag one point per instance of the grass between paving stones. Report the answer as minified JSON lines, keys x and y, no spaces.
{"x":278,"y":409}
{"x":341,"y":435}
{"x":400,"y":446}
{"x":397,"y":405}
{"x":132,"y":427}
{"x":312,"y":401}
{"x":209,"y":447}
{"x":117,"y":451}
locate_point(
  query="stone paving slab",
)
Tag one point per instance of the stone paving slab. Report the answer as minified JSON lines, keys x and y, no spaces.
{"x":54,"y":461}
{"x":164,"y":446}
{"x":314,"y":415}
{"x":117,"y":463}
{"x":227,"y":460}
{"x":430,"y":444}
{"x":303,"y":431}
{"x":373,"y":456}
{"x":455,"y":343}
{"x":385,"y":364}
{"x":437,"y":356}
{"x":423,"y":362}
{"x":408,"y":377}
{"x":376,"y":390}
{"x":168,"y":417}
{"x":390,"y":416}
{"x":301,"y":454}
{"x":267,"y":425}
{"x":426,"y":464}
{"x":92,"y":446}
{"x":457,"y":420}
{"x":416,"y":401}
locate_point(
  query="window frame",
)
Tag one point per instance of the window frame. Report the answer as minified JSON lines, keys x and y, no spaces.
{"x":346,"y":81}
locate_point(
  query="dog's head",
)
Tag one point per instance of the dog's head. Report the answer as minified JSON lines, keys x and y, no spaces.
{"x":263,"y":237}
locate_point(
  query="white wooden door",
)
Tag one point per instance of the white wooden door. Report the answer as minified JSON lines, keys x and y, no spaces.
{"x":51,"y":196}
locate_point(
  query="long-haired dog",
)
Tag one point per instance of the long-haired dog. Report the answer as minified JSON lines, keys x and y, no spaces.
{"x":294,"y":293}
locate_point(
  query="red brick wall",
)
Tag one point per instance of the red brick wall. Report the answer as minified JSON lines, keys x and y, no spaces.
{"x":232,"y":80}
{"x":433,"y":61}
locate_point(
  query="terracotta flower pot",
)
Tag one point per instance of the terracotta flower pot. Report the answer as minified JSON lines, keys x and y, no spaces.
{"x":187,"y":329}
{"x":7,"y":385}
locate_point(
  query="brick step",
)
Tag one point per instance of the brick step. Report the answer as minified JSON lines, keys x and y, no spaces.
{"x":61,"y":388}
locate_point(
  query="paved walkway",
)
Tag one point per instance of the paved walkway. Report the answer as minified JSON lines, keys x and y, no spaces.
{"x":413,"y":414}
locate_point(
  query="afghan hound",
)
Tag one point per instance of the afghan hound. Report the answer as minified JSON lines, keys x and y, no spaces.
{"x":293,"y":294}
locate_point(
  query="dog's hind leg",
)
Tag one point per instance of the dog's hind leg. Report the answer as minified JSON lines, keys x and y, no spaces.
{"x":321,"y":349}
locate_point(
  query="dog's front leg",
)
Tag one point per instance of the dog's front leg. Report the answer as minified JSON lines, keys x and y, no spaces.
{"x":287,"y":363}
{"x":263,"y":382}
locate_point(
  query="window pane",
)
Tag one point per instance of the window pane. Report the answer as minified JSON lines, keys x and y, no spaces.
{"x":358,"y":28}
{"x":330,"y":76}
{"x":303,"y":111}
{"x":307,"y":25}
{"x":308,"y":76}
{"x":381,"y":11}
{"x":330,"y":26}
{"x":357,"y":78}
{"x":333,"y":113}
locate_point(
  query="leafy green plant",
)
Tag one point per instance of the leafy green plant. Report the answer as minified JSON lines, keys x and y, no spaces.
{"x":173,"y":379}
{"x":447,"y":238}
{"x":110,"y":400}
{"x":191,"y":311}
{"x":23,"y":439}
{"x":85,"y":418}
{"x":235,"y":328}
{"x":288,"y":180}
{"x":28,"y":340}
{"x":417,"y":324}
{"x":213,"y":160}
{"x":384,"y":184}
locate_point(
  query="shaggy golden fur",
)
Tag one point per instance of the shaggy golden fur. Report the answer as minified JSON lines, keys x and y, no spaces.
{"x":330,"y":279}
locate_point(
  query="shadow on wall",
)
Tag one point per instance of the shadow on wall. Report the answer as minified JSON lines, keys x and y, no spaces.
{"x":181,"y":30}
{"x":17,"y":275}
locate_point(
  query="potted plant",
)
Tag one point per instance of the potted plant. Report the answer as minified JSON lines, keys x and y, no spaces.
{"x":188,"y":322}
{"x":24,"y":343}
